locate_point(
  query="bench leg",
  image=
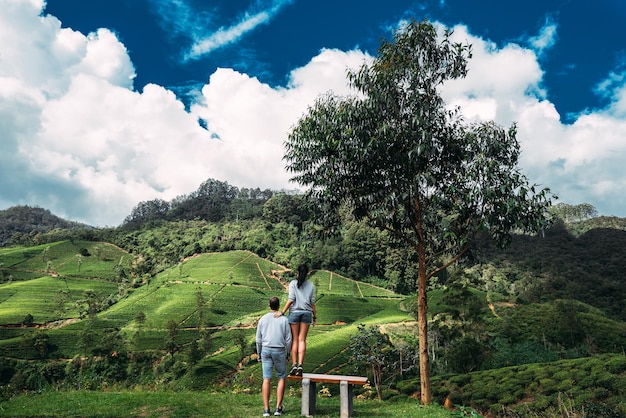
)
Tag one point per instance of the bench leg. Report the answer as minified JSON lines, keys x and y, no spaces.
{"x":345,"y":401}
{"x":308,"y":398}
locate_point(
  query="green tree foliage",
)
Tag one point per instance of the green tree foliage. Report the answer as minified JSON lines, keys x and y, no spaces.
{"x":462,"y":303}
{"x":401,"y":267}
{"x":287,"y":208}
{"x":242,"y":342}
{"x":573,"y":213}
{"x":206,"y":341}
{"x":28,"y":320}
{"x":193,"y":352}
{"x":373,"y":350}
{"x":91,"y":303}
{"x":172,"y":344}
{"x":214,"y":201}
{"x":147,"y":212}
{"x":87,"y":338}
{"x":559,"y":265}
{"x":396,"y":156}
{"x":140,"y":319}
{"x":465,"y":355}
{"x":39,"y":342}
{"x":23,"y":224}
{"x":362,"y":248}
{"x":112,"y":342}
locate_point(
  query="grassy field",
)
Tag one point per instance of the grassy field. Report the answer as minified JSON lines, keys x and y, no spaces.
{"x":195,"y":404}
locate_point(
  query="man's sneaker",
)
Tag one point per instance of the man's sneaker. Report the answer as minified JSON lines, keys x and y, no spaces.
{"x":278,"y":412}
{"x":266,"y":413}
{"x":299,"y":371}
{"x":294,"y":370}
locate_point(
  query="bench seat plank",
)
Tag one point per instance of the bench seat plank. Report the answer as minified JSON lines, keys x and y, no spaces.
{"x":330,"y":378}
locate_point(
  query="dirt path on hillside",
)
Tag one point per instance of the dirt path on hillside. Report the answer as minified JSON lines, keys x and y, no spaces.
{"x":492,"y":306}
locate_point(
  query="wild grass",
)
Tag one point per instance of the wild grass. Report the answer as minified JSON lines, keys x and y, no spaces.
{"x":221,"y":292}
{"x":13,"y":256}
{"x":234,"y":267}
{"x":188,"y":404}
{"x":327,"y":282}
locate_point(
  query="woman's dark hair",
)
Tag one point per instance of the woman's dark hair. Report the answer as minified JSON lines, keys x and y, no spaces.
{"x":303,"y":271}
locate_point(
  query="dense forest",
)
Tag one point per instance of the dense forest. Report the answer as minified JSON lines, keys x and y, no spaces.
{"x":24,"y":223}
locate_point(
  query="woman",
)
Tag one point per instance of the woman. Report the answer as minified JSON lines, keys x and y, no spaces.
{"x":302,"y":315}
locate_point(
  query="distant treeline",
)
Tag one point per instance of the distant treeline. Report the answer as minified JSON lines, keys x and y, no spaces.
{"x":214,"y":201}
{"x":20,"y":224}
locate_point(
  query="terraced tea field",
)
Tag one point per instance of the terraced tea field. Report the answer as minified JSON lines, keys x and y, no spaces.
{"x":224,"y":293}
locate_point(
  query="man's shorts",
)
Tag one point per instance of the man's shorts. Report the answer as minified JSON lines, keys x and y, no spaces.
{"x":274,"y":358}
{"x":301,"y":316}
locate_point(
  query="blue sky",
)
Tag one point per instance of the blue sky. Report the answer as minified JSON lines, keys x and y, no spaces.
{"x":100,"y":100}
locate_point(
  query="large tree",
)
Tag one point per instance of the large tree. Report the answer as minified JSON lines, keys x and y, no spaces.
{"x":395,"y":155}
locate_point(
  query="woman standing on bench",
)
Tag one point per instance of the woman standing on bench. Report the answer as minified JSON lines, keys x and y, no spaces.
{"x":302,"y":315}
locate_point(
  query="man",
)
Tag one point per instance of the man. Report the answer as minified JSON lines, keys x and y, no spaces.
{"x":273,"y":344}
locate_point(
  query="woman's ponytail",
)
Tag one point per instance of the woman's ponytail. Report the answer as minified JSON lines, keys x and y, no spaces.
{"x":303,"y":271}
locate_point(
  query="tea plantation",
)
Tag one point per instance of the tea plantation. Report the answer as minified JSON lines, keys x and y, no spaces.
{"x":71,"y":319}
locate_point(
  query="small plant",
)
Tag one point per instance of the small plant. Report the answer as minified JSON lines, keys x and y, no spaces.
{"x":28,"y":320}
{"x":368,"y":392}
{"x":464,"y":411}
{"x":325,"y":392}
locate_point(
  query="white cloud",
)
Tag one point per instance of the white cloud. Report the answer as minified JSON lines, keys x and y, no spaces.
{"x":90,"y":148}
{"x":79,"y":141}
{"x":546,"y":38}
{"x":76,"y":138}
{"x":180,"y":17}
{"x":253,"y":120}
{"x":225,"y":36}
{"x":582,"y":161}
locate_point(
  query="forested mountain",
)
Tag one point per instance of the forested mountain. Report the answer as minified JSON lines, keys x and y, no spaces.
{"x":19,"y":221}
{"x":555,"y":296}
{"x":590,"y":267}
{"x":584,"y":259}
{"x":214,"y":201}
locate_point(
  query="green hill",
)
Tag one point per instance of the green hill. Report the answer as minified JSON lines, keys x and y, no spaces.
{"x":224,"y":293}
{"x":19,"y":221}
{"x":75,"y":315}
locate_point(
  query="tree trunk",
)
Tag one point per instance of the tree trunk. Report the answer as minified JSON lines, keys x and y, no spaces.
{"x":378,"y":381}
{"x":422,"y":324}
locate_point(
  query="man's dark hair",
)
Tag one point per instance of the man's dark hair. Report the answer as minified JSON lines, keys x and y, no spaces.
{"x":274,"y":303}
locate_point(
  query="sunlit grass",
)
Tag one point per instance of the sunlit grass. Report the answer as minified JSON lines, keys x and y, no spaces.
{"x":195,"y":404}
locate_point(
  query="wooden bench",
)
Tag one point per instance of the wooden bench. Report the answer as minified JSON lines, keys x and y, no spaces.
{"x":346,"y":383}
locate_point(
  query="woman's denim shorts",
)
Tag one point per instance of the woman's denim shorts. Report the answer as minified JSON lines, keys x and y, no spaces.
{"x":301,"y":316}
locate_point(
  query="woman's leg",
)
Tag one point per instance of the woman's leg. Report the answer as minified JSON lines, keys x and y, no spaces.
{"x":295,"y":331}
{"x":303,"y":331}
